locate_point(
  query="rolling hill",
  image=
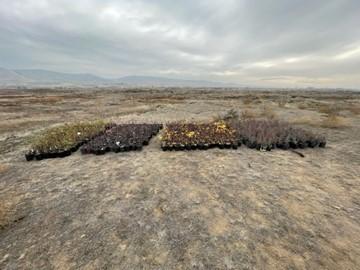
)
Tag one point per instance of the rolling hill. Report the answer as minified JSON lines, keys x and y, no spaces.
{"x":39,"y":77}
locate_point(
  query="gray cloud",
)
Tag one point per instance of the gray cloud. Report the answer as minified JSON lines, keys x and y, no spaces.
{"x":267,"y":43}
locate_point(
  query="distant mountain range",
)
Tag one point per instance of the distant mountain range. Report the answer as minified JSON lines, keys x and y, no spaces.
{"x":38,"y":77}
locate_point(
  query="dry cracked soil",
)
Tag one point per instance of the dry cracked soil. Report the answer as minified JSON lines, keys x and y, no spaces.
{"x":215,"y":209}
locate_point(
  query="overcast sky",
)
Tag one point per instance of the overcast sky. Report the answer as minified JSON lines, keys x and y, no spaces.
{"x":291,"y":43}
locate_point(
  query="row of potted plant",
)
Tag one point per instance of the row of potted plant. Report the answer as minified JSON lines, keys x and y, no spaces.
{"x":191,"y":136}
{"x":61,"y":141}
{"x":270,"y":134}
{"x":121,"y":138}
{"x":99,"y":137}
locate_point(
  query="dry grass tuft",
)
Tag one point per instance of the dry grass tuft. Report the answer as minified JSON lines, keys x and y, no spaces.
{"x":230,"y":115}
{"x":332,"y":118}
{"x":303,"y":106}
{"x":49,"y":99}
{"x":268,"y":112}
{"x":329,"y":109}
{"x":5,"y":213}
{"x":9,"y":209}
{"x":305,"y":120}
{"x":251,"y":99}
{"x":248,"y":114}
{"x":334,"y":121}
{"x":354,"y":109}
{"x":265,"y":111}
{"x":283,"y":101}
{"x":331,"y":121}
{"x":3,"y":168}
{"x":247,"y":100}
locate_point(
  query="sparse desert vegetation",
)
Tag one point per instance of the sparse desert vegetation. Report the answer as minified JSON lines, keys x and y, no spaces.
{"x":4,"y":213}
{"x":248,"y":114}
{"x":3,"y":168}
{"x":214,"y":209}
{"x":8,"y":210}
{"x":334,"y":121}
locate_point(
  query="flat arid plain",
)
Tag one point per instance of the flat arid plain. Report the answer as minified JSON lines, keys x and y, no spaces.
{"x":150,"y":209}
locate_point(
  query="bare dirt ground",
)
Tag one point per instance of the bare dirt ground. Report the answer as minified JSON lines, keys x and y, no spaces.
{"x":216,"y":209}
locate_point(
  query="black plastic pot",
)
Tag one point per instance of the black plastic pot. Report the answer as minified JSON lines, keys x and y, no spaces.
{"x":85,"y":150}
{"x":322,"y":144}
{"x":101,"y":151}
{"x":52,"y":154}
{"x":45,"y":155}
{"x":29,"y":156}
{"x":312,"y":143}
{"x":301,"y":145}
{"x":39,"y":156}
{"x":293,"y":145}
{"x":139,"y":147}
{"x":182,"y":147}
{"x":164,"y":148}
{"x":177,"y":148}
{"x":64,"y":153}
{"x":286,"y":146}
{"x":251,"y":145}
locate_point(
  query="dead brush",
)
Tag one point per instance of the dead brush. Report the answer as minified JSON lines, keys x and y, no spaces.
{"x":329,"y":109}
{"x":6,"y":210}
{"x":268,"y":112}
{"x":282,"y":101}
{"x":334,"y":121}
{"x":3,"y":168}
{"x":248,"y":114}
{"x":249,"y":99}
{"x":4,"y":213}
{"x":354,"y":109}
{"x":229,"y":116}
{"x":332,"y":116}
{"x":303,"y":106}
